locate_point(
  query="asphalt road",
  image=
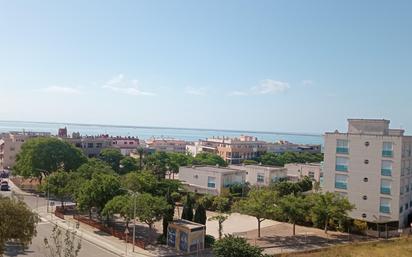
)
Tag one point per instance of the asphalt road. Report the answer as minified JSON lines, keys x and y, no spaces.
{"x":44,"y":228}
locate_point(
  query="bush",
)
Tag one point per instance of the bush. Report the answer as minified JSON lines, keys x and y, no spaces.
{"x":161,"y":239}
{"x":231,"y":246}
{"x":209,"y":241}
{"x":360,"y":225}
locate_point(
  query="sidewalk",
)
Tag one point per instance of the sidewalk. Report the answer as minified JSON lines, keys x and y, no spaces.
{"x":95,"y":236}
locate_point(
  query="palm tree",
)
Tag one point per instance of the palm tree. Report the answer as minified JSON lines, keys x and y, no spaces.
{"x":140,"y":151}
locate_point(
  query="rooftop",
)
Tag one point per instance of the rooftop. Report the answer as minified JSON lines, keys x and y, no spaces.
{"x":210,"y":168}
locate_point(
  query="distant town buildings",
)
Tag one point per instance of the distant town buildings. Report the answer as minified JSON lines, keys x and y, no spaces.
{"x":126,"y":145}
{"x":166,"y":145}
{"x":285,"y":146}
{"x":210,"y":179}
{"x":371,"y":165}
{"x":10,"y":145}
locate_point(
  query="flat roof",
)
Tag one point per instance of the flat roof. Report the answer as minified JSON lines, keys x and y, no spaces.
{"x":187,"y":224}
{"x":211,"y":168}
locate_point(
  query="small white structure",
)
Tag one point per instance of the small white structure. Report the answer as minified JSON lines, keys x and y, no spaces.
{"x":210,"y":179}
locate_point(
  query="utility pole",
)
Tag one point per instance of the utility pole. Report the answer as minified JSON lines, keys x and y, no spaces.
{"x":134,"y":219}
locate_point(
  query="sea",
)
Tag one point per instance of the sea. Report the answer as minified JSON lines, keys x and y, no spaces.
{"x":188,"y":134}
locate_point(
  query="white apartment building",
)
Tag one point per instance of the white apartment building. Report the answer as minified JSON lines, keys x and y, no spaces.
{"x":300,"y":170}
{"x":260,"y":175}
{"x":10,"y":145}
{"x":210,"y":179}
{"x":371,"y":165}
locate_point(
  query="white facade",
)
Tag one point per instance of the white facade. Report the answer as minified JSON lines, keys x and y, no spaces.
{"x":210,"y":179}
{"x":261,"y":175}
{"x":300,"y":170}
{"x":371,"y":165}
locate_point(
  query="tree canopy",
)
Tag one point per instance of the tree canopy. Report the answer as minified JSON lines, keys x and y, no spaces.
{"x":98,"y":191}
{"x":293,"y":208}
{"x":17,"y":223}
{"x":275,"y":159}
{"x":112,"y":157}
{"x":122,"y":205}
{"x":153,"y":208}
{"x":93,"y":166}
{"x":260,"y":203}
{"x":128,"y":164}
{"x":231,"y":246}
{"x":42,"y":156}
{"x":142,"y":182}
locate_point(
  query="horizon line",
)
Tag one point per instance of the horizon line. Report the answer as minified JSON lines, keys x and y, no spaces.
{"x":162,"y":127}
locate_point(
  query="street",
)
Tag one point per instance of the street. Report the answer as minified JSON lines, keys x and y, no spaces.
{"x":44,"y":228}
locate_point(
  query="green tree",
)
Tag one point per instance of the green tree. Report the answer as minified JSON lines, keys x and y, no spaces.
{"x":122,"y":205}
{"x":98,"y":191}
{"x":128,"y":164}
{"x":93,"y":166}
{"x":41,"y":156}
{"x":187,"y":212}
{"x":142,"y":182}
{"x":200,"y":214}
{"x":59,"y":185}
{"x":208,"y":159}
{"x":293,"y":208}
{"x":112,"y":157}
{"x":260,"y":204}
{"x":168,"y":214}
{"x":158,"y":163}
{"x":17,"y":223}
{"x":329,"y":208}
{"x":59,"y":245}
{"x":140,"y":151}
{"x":231,"y":246}
{"x":220,"y":218}
{"x":153,"y":208}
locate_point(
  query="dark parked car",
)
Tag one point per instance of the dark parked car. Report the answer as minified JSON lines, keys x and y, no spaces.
{"x":4,"y":186}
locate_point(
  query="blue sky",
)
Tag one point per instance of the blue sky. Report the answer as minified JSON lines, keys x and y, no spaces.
{"x":299,"y":66}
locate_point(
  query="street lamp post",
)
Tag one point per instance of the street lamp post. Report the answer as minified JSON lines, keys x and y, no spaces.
{"x":134,"y":220}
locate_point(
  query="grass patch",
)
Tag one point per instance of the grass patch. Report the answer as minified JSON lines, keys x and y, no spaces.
{"x":392,"y":248}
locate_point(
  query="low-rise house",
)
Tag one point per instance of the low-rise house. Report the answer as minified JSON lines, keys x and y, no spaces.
{"x":300,"y":170}
{"x":166,"y":145}
{"x":126,"y":145}
{"x":260,"y":175}
{"x":210,"y":179}
{"x":90,"y":145}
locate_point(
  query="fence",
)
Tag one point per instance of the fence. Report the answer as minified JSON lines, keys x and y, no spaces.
{"x":59,"y":212}
{"x":110,"y":231}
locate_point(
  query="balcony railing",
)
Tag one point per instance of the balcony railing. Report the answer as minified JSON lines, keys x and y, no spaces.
{"x":385,"y":190}
{"x":341,"y":167}
{"x":387,"y":153}
{"x":384,"y":209}
{"x":341,"y":185}
{"x":386,"y":172}
{"x":342,"y":150}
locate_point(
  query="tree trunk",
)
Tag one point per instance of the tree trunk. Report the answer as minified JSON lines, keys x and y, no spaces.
{"x":294,"y":228}
{"x":220,"y":230}
{"x":259,"y":221}
{"x":326,"y":226}
{"x":90,"y":213}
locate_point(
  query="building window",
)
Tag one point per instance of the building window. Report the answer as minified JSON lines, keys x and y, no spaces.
{"x":211,"y":182}
{"x":366,"y":161}
{"x":311,"y":174}
{"x":365,"y":197}
{"x":386,"y":169}
{"x":401,"y":209}
{"x":387,"y":149}
{"x":341,"y":182}
{"x":386,"y":187}
{"x":260,"y":178}
{"x":367,"y":143}
{"x":365,"y":179}
{"x":406,"y":206}
{"x":89,"y":145}
{"x":385,"y":205}
{"x":342,"y":164}
{"x":364,"y":215}
{"x":342,"y":146}
{"x":99,"y":145}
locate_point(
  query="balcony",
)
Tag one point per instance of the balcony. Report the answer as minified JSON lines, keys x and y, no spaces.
{"x":384,"y":209}
{"x":387,"y":153}
{"x":386,"y":172}
{"x":341,"y":185}
{"x":386,"y":190}
{"x":341,"y":167}
{"x":342,"y":150}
